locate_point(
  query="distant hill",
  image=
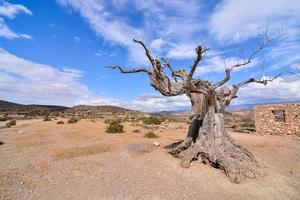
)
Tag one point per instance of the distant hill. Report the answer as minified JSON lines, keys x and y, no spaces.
{"x":103,"y":111}
{"x":14,"y":108}
{"x":80,"y":110}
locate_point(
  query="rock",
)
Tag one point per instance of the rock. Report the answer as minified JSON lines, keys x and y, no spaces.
{"x":156,"y":144}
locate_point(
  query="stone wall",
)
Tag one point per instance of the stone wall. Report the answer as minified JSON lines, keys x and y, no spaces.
{"x":278,"y":119}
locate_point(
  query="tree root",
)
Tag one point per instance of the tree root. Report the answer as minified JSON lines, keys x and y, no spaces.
{"x":236,"y":161}
{"x":178,"y":147}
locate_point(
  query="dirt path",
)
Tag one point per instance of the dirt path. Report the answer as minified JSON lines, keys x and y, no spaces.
{"x":43,"y":160}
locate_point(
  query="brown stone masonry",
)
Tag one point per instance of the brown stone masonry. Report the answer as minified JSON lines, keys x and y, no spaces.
{"x":278,"y":119}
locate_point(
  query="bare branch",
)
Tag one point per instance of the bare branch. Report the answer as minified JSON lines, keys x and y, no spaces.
{"x":166,"y":63}
{"x":147,"y":52}
{"x":199,"y":54}
{"x":253,"y":80}
{"x":236,"y":87}
{"x":135,"y":70}
{"x":263,"y":44}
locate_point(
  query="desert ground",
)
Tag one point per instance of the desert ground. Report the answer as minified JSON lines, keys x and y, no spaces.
{"x":44,"y":160}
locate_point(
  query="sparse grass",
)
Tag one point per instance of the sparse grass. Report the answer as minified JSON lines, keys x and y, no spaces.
{"x":150,"y":135}
{"x":10,"y":123}
{"x":72,"y":120}
{"x":151,"y":120}
{"x":81,"y":151}
{"x":115,"y":127}
{"x":47,"y":118}
{"x":60,"y":122}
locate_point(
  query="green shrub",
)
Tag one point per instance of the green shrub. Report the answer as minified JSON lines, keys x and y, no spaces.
{"x":11,"y":123}
{"x":150,"y":135}
{"x":115,"y":127}
{"x":151,"y":120}
{"x":60,"y":122}
{"x":47,"y":118}
{"x":72,"y":120}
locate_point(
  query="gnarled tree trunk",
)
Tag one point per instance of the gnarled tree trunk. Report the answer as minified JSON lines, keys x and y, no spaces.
{"x":208,"y":141}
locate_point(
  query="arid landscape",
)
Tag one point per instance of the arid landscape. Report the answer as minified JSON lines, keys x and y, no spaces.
{"x":149,"y":100}
{"x":45,"y":160}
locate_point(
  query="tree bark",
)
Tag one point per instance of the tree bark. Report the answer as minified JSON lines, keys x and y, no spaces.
{"x":212,"y":145}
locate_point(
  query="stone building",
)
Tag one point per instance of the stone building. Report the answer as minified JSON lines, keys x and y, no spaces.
{"x":278,"y":119}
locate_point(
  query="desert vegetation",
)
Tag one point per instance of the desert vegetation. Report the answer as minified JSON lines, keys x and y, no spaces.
{"x":47,"y":118}
{"x":115,"y":127}
{"x":151,"y":120}
{"x":150,"y":135}
{"x":11,"y":123}
{"x":73,"y":120}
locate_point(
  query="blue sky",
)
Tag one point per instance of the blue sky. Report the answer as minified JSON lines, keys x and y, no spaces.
{"x":54,"y":52}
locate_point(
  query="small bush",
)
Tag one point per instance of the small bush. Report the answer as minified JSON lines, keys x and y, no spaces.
{"x":151,"y":120}
{"x":60,"y":122}
{"x":72,"y":120}
{"x":108,"y":120}
{"x":150,"y":135}
{"x":11,"y":123}
{"x":3,"y":118}
{"x":136,"y":131}
{"x":115,"y":127}
{"x":47,"y":118}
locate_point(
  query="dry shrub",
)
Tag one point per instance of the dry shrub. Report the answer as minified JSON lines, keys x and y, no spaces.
{"x":60,"y":122}
{"x":150,"y":135}
{"x":73,"y":120}
{"x":151,"y":120}
{"x":136,"y":131}
{"x":11,"y":123}
{"x":47,"y":118}
{"x":115,"y":127}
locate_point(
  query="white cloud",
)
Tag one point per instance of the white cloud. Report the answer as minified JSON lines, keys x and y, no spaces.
{"x":12,"y":10}
{"x":156,"y":103}
{"x":162,"y":23}
{"x":9,"y":34}
{"x":157,"y":43}
{"x":24,"y":80}
{"x":100,"y":100}
{"x":218,"y":64}
{"x":282,"y":89}
{"x":238,"y":20}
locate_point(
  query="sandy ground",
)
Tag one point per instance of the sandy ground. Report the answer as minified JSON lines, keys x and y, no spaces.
{"x":43,"y":160}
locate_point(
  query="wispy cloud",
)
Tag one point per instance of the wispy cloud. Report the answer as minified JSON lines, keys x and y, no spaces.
{"x":11,"y":11}
{"x":235,"y":20}
{"x":32,"y":82}
{"x":76,"y":38}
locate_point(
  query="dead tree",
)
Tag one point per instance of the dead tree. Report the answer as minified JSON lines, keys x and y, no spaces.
{"x":207,"y":139}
